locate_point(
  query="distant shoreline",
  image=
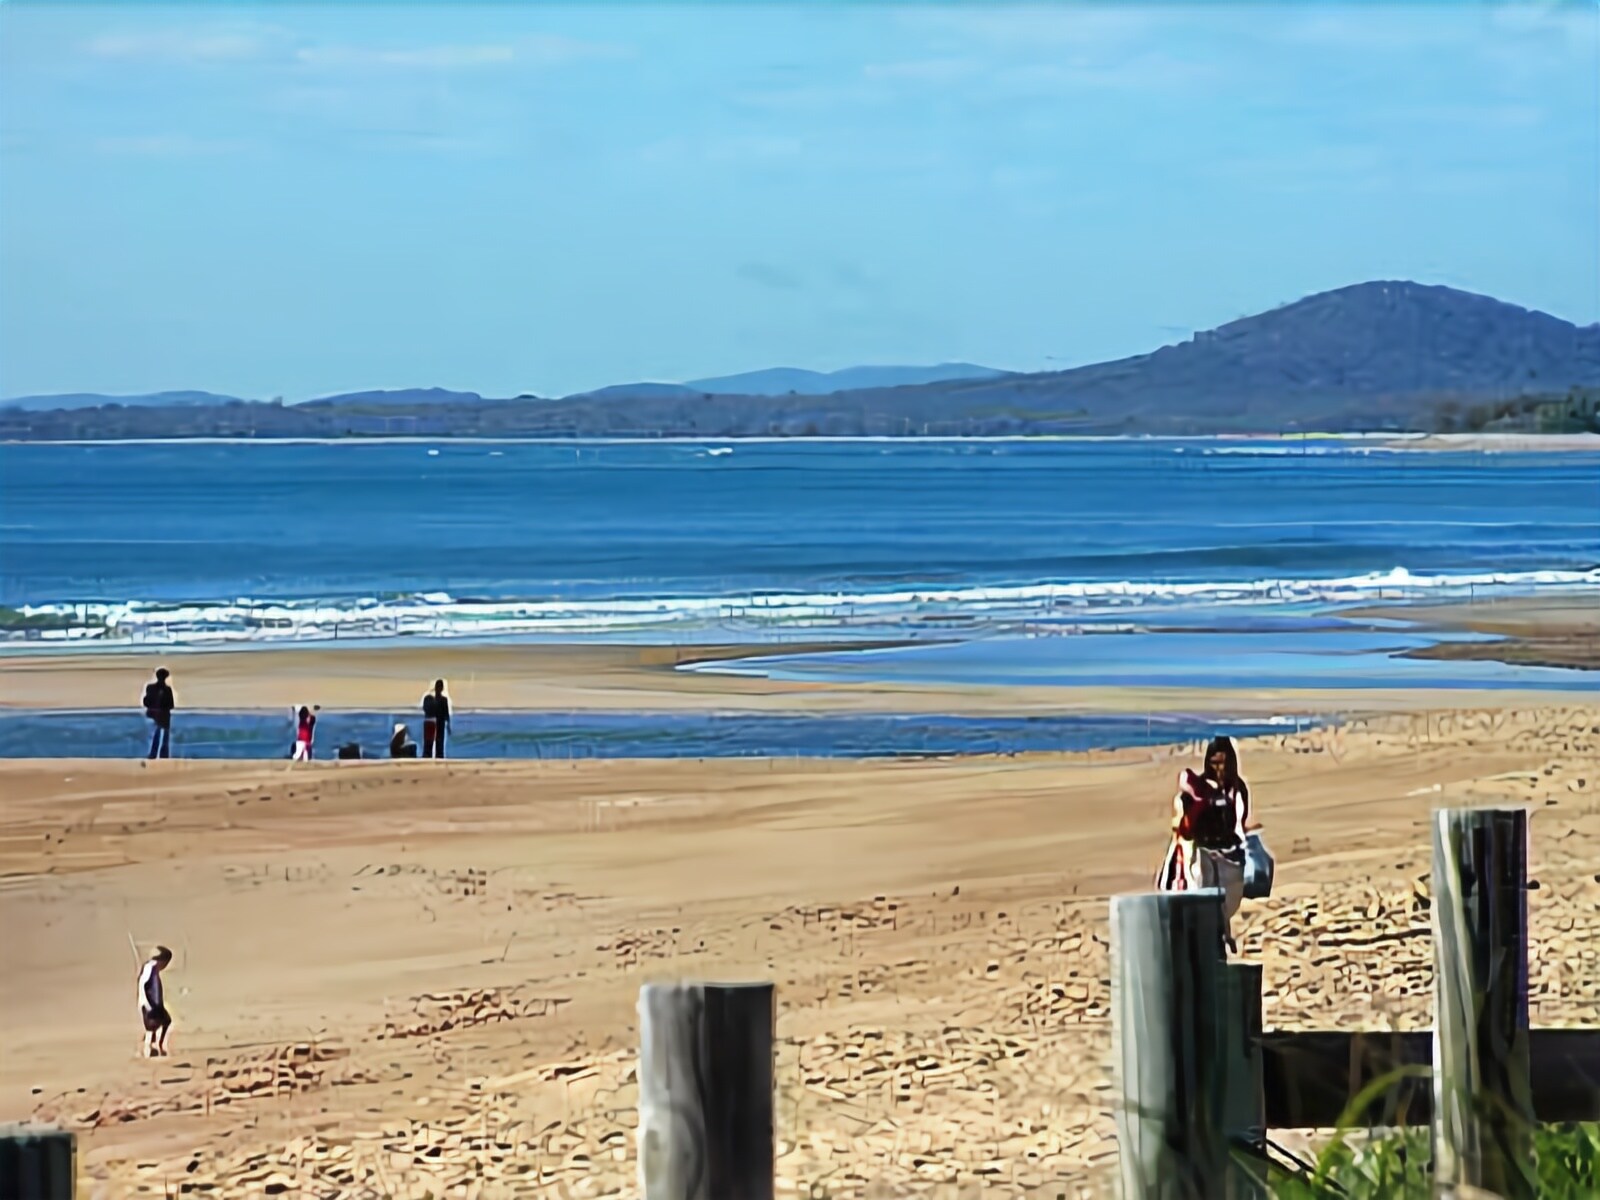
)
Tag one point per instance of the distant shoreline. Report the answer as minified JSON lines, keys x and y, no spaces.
{"x":1383,"y":440}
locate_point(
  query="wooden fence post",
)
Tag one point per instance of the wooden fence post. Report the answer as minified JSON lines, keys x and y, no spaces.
{"x":37,"y":1162}
{"x":1482,"y":1096}
{"x":705,"y":1091}
{"x":1183,"y":1057}
{"x":1246,"y":1111}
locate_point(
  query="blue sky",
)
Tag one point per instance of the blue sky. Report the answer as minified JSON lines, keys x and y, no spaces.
{"x":289,"y":200}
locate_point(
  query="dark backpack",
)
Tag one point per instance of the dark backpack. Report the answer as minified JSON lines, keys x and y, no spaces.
{"x":152,"y":698}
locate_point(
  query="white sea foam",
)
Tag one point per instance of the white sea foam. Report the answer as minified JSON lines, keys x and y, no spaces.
{"x":440,"y":615}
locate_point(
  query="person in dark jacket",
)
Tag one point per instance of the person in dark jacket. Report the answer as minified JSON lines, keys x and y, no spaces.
{"x":435,"y":720}
{"x":158,"y":706}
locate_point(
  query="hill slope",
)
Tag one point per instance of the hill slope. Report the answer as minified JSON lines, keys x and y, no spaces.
{"x":396,"y":398}
{"x":640,"y":391}
{"x":1373,"y":356}
{"x":781,"y":381}
{"x":1362,"y":356}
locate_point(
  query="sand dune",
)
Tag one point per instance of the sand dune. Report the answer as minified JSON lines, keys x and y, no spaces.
{"x":392,"y":978}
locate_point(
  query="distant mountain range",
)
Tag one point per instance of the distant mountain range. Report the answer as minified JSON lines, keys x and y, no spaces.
{"x":1373,"y":356}
{"x":778,"y":381}
{"x":95,"y":400}
{"x":398,"y":397}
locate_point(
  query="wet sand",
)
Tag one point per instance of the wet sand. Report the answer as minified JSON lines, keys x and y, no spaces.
{"x":396,"y":978}
{"x":616,"y":678}
{"x":1555,"y":632}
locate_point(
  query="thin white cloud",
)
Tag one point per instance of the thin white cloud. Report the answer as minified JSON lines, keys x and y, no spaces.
{"x":1521,"y":26}
{"x":1043,"y":50}
{"x":554,"y":50}
{"x":1472,"y":116}
{"x":1139,"y":71}
{"x":1034,"y":27}
{"x":1577,"y":25}
{"x":537,"y":50}
{"x":419,"y":57}
{"x":213,"y":44}
{"x":739,"y":149}
{"x":168,"y":145}
{"x":814,"y":97}
{"x":235,"y":43}
{"x":1374,"y":30}
{"x":424,"y":142}
{"x":929,"y":71}
{"x":1319,"y":169}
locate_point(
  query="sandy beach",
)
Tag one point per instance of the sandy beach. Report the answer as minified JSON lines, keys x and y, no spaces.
{"x":392,"y":978}
{"x":1501,"y":442}
{"x":1546,"y":632}
{"x":410,"y":979}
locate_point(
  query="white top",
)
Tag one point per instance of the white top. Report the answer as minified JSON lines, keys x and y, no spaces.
{"x":150,"y":986}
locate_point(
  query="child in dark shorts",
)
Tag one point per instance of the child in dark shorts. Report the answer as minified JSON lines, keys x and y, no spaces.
{"x":152,"y":1006}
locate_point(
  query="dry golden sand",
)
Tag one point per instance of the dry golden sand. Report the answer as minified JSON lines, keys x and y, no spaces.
{"x":414,"y":979}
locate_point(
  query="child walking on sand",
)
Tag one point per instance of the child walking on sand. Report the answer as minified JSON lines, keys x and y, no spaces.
{"x":152,"y":1006}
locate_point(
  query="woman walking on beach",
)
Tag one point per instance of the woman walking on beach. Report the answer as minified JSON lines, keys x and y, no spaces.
{"x":1208,"y":831}
{"x":305,"y":731}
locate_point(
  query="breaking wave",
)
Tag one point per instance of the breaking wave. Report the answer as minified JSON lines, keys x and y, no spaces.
{"x":438,"y":615}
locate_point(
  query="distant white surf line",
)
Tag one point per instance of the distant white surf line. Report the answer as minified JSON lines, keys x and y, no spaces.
{"x":439,"y":615}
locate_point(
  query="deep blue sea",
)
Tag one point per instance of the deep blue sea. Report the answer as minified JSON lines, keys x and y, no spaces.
{"x":990,"y":543}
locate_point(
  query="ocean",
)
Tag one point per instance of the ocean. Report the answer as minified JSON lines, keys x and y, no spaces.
{"x":1081,"y":563}
{"x":248,"y":543}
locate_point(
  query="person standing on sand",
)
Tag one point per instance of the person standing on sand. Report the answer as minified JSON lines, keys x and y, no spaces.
{"x":1210,"y":812}
{"x":158,"y":706}
{"x":305,"y":731}
{"x":435,"y":720}
{"x":152,"y":1003}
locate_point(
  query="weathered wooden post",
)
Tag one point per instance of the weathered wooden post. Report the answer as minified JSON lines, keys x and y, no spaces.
{"x":37,"y":1162}
{"x":1482,"y":1097}
{"x":1185,"y":1061}
{"x":1245,"y":1104}
{"x":705,"y":1091}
